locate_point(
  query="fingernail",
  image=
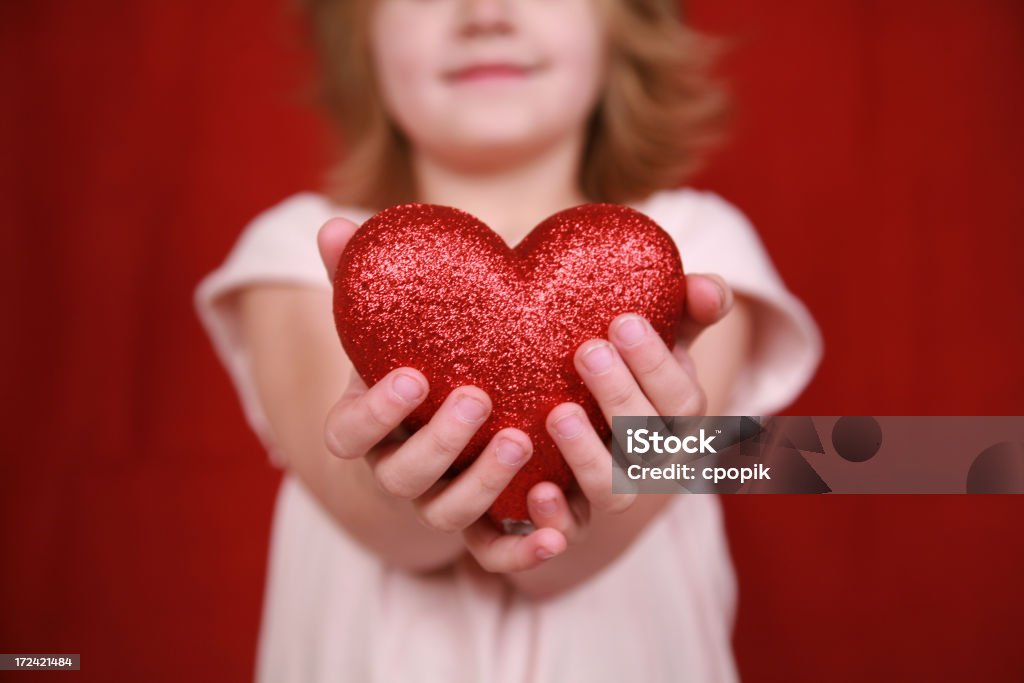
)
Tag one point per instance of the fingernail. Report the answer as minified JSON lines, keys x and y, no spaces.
{"x":510,"y":453}
{"x":569,"y":426}
{"x":407,"y":388}
{"x":546,"y":506}
{"x":544,"y":553}
{"x":631,"y":330}
{"x":724,"y":295}
{"x":598,"y":358}
{"x":470,"y":409}
{"x":332,"y":444}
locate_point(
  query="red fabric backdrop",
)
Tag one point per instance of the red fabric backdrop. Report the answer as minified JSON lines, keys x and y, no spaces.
{"x":878,"y":151}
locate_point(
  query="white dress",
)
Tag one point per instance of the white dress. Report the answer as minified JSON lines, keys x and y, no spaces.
{"x":662,"y":611}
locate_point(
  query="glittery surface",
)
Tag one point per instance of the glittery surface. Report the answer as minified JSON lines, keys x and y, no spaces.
{"x":432,"y":287}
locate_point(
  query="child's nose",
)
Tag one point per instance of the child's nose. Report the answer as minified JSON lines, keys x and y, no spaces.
{"x":485,"y":16}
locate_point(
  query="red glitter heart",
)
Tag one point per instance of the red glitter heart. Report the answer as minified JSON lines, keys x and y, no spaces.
{"x":432,"y":287}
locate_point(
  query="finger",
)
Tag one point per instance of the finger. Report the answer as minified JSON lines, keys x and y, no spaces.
{"x":610,"y":380}
{"x":670,"y":387}
{"x":331,"y":240}
{"x":708,"y":298}
{"x":357,"y":387}
{"x":427,"y":454}
{"x":683,"y":357}
{"x":467,"y":497}
{"x":549,"y":507}
{"x":363,"y":417}
{"x":502,"y":553}
{"x":587,"y":456}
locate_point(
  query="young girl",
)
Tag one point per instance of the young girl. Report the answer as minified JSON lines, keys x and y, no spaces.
{"x":379,"y":569}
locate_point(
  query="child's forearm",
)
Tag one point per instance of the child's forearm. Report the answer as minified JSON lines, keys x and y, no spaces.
{"x":299,"y":374}
{"x":387,"y":526}
{"x":608,"y":536}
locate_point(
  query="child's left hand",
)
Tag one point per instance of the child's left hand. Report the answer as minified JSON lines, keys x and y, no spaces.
{"x":635,"y":374}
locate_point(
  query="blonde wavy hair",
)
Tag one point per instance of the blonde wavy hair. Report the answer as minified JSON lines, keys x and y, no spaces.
{"x":658,"y":112}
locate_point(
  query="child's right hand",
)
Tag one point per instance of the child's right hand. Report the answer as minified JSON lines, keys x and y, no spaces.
{"x":363,"y":423}
{"x":360,"y":423}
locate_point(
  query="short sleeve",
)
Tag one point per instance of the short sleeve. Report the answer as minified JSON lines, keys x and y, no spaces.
{"x":713,"y":236}
{"x":278,"y":245}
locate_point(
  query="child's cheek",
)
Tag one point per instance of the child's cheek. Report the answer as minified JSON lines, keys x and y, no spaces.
{"x":407,"y":59}
{"x":576,"y":45}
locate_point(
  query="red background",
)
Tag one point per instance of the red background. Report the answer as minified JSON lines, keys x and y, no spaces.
{"x":878,"y":151}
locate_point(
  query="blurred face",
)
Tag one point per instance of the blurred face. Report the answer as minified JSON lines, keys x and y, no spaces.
{"x":480,"y":81}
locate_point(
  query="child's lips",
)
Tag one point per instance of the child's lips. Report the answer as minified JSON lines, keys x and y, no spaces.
{"x":498,"y":71}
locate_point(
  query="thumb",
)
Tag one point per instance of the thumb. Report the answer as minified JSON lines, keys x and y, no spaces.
{"x":708,"y":299}
{"x":331,"y":240}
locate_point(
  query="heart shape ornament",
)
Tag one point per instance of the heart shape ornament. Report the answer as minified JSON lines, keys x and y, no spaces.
{"x":434,"y":288}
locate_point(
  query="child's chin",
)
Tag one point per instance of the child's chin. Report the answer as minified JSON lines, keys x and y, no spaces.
{"x":502,"y":144}
{"x":495,"y":150}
